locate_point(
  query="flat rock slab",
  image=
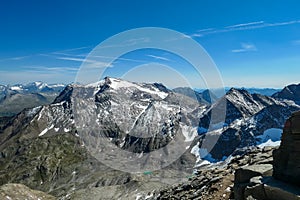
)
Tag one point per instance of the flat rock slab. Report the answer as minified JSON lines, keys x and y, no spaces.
{"x":244,"y":174}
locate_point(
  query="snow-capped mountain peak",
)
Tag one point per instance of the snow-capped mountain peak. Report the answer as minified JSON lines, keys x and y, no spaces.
{"x":34,"y":87}
{"x":119,"y":85}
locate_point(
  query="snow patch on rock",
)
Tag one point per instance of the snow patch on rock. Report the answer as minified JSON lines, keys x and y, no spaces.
{"x":46,"y":130}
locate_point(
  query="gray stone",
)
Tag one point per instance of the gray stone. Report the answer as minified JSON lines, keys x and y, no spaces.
{"x":256,"y":191}
{"x":244,"y":174}
{"x":287,"y":157}
{"x":275,"y":189}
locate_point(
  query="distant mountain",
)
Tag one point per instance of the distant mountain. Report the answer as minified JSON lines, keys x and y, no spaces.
{"x":202,"y":97}
{"x":247,"y":117}
{"x":13,"y":99}
{"x":263,"y":91}
{"x":35,"y":87}
{"x":291,"y":92}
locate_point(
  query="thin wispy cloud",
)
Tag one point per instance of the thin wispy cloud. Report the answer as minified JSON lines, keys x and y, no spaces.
{"x":125,"y":43}
{"x":241,"y":27}
{"x":197,"y":35}
{"x":159,"y":57}
{"x":202,"y":32}
{"x":205,"y":30}
{"x":75,"y":59}
{"x":48,"y":69}
{"x":93,"y":58}
{"x":89,"y":62}
{"x":120,"y":59}
{"x":64,"y":54}
{"x":245,"y":24}
{"x":73,"y":49}
{"x":61,"y":52}
{"x":245,"y":47}
{"x":14,"y":58}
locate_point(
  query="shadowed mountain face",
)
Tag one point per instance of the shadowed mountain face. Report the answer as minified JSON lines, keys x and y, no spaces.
{"x":290,"y":92}
{"x":204,"y":97}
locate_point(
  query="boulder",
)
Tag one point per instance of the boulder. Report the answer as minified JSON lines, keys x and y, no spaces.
{"x":243,"y":177}
{"x":268,"y":188}
{"x":256,"y":190}
{"x":244,"y":174}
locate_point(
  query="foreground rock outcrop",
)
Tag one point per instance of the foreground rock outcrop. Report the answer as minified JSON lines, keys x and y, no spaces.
{"x":280,"y":180}
{"x":287,"y":157}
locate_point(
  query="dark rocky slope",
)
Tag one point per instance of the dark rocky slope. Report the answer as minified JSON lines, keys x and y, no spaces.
{"x":291,"y":92}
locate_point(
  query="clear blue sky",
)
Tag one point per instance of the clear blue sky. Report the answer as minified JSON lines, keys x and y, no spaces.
{"x":253,"y":43}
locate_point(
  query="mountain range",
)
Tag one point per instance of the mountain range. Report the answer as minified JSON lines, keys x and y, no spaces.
{"x":54,"y":145}
{"x":13,"y":99}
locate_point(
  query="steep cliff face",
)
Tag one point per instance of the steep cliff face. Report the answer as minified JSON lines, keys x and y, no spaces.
{"x":287,"y":157}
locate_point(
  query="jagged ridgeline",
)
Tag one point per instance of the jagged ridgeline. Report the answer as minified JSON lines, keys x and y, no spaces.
{"x":78,"y":143}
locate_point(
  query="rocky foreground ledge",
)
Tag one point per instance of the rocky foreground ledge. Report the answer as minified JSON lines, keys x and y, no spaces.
{"x":218,"y":181}
{"x":280,"y":180}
